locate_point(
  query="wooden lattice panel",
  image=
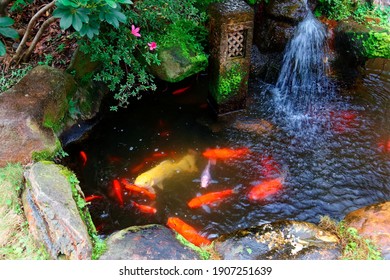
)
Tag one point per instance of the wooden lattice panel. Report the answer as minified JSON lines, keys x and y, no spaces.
{"x":236,"y":44}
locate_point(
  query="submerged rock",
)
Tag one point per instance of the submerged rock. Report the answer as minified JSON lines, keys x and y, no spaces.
{"x":283,"y":240}
{"x":52,"y":214}
{"x":151,"y":242}
{"x":373,"y":222}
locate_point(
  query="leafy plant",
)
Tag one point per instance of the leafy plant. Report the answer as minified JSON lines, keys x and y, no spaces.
{"x":12,"y":76}
{"x":125,"y":52}
{"x":86,"y":16}
{"x":354,"y":246}
{"x":335,"y":9}
{"x":6,"y":31}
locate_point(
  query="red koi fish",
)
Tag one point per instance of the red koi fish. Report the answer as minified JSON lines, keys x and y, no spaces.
{"x":187,"y":231}
{"x":83,"y":157}
{"x":269,"y":166}
{"x":134,"y":188}
{"x":93,"y":197}
{"x":180,"y":90}
{"x":265,"y":189}
{"x":209,"y":198}
{"x":118,"y":191}
{"x":145,"y":208}
{"x":225,"y":153}
{"x":343,"y":120}
{"x":384,"y":146}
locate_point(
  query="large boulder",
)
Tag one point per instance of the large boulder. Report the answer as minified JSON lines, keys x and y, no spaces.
{"x":151,"y":242}
{"x":53,"y":216}
{"x":283,"y":240}
{"x":37,"y":110}
{"x":31,"y":111}
{"x":373,"y":222}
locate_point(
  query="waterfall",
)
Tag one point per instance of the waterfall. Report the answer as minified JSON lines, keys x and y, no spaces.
{"x":303,"y":86}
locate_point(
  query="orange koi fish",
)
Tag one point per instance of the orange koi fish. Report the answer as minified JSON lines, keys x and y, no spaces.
{"x":187,"y":231}
{"x":343,"y":120}
{"x":180,"y":90}
{"x":93,"y":197}
{"x":134,"y":188}
{"x":225,"y":153}
{"x":84,"y":158}
{"x":209,"y":198}
{"x":145,"y":208}
{"x":118,"y":191}
{"x":265,"y":189}
{"x":384,"y":146}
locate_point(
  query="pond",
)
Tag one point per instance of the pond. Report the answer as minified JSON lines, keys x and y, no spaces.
{"x":331,"y":171}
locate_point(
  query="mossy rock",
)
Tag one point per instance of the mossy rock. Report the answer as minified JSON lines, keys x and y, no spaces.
{"x":178,"y":62}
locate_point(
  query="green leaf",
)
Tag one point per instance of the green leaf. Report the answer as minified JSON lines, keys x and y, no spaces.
{"x":125,"y":2}
{"x":70,"y":3}
{"x":6,"y":21}
{"x":111,"y":3}
{"x":2,"y":49}
{"x":9,"y":32}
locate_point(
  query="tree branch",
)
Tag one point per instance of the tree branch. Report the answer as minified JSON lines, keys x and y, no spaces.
{"x":3,"y":7}
{"x":30,"y":25}
{"x":44,"y":25}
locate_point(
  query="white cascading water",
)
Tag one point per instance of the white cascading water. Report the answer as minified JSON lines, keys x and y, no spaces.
{"x":303,"y":86}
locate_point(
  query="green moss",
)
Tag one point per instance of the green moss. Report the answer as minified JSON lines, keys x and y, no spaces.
{"x":99,"y":246}
{"x":229,"y":83}
{"x":377,"y":44}
{"x":17,"y":242}
{"x":48,"y":154}
{"x":204,"y":255}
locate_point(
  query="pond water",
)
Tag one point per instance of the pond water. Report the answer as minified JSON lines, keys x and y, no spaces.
{"x":329,"y":171}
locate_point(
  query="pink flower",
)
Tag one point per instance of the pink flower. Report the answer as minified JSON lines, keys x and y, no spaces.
{"x":135,"y":31}
{"x":152,"y":45}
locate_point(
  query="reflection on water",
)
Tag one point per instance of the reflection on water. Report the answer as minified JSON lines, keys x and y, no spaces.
{"x":341,"y":169}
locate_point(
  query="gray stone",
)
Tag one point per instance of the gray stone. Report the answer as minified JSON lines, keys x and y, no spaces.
{"x":289,"y":10}
{"x":52,"y":214}
{"x":151,"y":242}
{"x":283,"y":240}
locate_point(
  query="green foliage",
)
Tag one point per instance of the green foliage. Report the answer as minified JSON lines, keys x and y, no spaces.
{"x":354,"y":246}
{"x":12,"y":76}
{"x":86,"y":16}
{"x":18,"y":5}
{"x":377,"y":44}
{"x":125,"y":57}
{"x":6,"y":31}
{"x":335,"y":9}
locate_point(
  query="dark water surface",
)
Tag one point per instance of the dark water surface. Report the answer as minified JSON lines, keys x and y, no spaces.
{"x":330,"y":169}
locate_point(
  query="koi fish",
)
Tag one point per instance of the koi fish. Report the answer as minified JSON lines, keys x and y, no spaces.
{"x":134,"y":188}
{"x":343,"y":120}
{"x":145,"y":208}
{"x":384,"y":146}
{"x":265,"y":189}
{"x":118,"y":191}
{"x":187,"y":231}
{"x":83,"y":157}
{"x":269,"y":166}
{"x":205,"y":178}
{"x":209,"y":198}
{"x":93,"y":197}
{"x":225,"y":153}
{"x":164,"y":170}
{"x":180,"y":90}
